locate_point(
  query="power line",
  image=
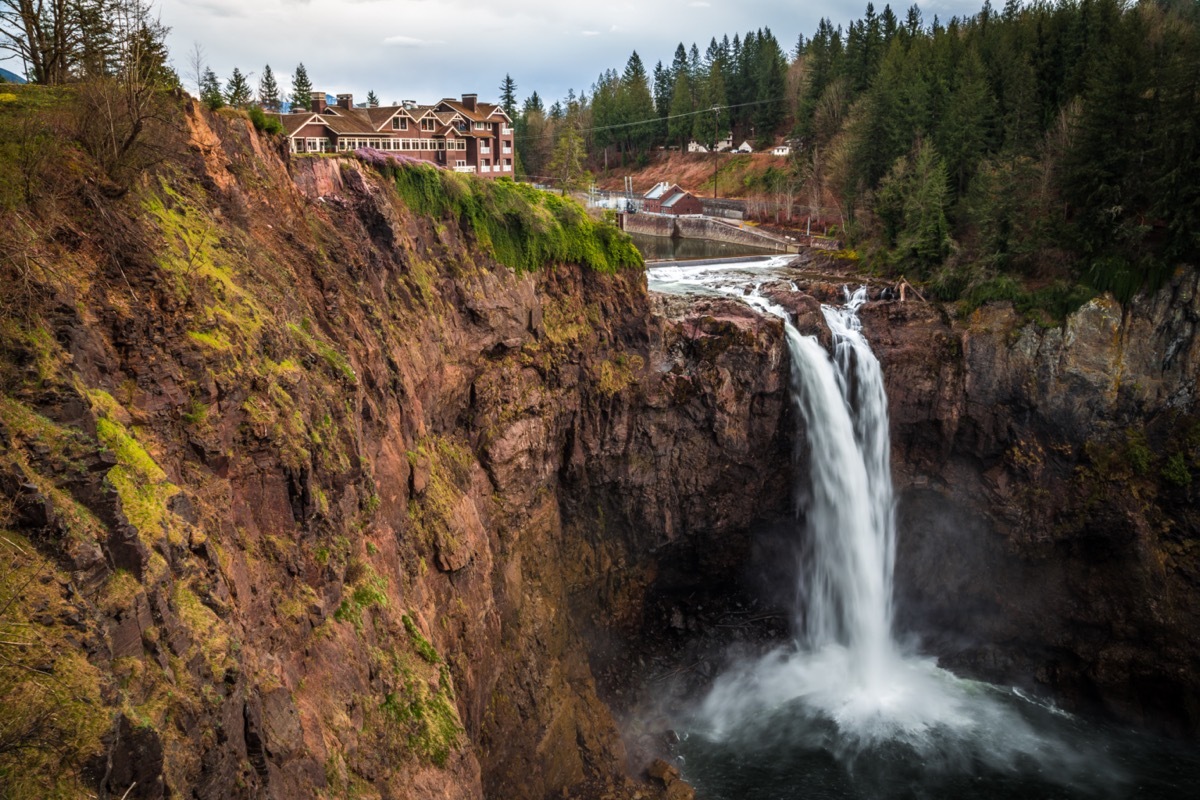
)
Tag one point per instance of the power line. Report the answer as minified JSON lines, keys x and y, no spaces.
{"x":654,"y":120}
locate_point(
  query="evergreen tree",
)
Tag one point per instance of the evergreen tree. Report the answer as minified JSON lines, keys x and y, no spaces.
{"x":534,"y":103}
{"x":508,"y":96}
{"x":301,"y":88}
{"x":210,"y":90}
{"x":679,"y":126}
{"x":709,"y":126}
{"x":679,"y":63}
{"x":771,"y":84}
{"x":372,"y":99}
{"x":636,"y":104}
{"x":268,"y":90}
{"x":566,"y":165}
{"x":662,"y":99}
{"x":237,"y":90}
{"x":964,"y":133}
{"x":911,"y":204}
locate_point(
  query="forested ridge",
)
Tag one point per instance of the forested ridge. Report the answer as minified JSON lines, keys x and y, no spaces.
{"x":1038,"y":153}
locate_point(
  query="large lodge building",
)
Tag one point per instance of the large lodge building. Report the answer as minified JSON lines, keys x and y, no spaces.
{"x":463,"y":135}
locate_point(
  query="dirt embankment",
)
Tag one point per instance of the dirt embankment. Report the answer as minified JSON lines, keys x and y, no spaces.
{"x":694,"y":172}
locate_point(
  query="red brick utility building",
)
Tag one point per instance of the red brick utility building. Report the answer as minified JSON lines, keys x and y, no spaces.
{"x":464,"y":135}
{"x":669,"y":198}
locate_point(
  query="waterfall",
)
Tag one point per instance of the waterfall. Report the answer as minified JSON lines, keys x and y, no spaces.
{"x":844,"y":668}
{"x":843,"y":686}
{"x":847,"y":587}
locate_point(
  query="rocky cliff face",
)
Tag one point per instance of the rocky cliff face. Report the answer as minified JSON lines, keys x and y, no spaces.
{"x":301,"y":486}
{"x":1049,"y":527}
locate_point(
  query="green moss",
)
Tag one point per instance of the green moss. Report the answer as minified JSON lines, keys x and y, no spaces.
{"x":521,"y":227}
{"x":53,"y":713}
{"x":368,"y":590}
{"x":414,"y":716}
{"x":140,"y":482}
{"x":420,"y":643}
{"x":196,"y":414}
{"x":616,"y":375}
{"x":209,"y":633}
{"x":449,"y":477}
{"x":214,"y":339}
{"x":336,"y":361}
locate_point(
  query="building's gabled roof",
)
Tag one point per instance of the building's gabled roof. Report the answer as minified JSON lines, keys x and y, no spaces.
{"x":674,"y":199}
{"x":661,"y":189}
{"x":356,"y":120}
{"x":482,"y":112}
{"x":344,"y":124}
{"x":294,"y":122}
{"x":381,"y":115}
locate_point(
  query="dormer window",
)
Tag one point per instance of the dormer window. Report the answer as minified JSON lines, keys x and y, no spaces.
{"x":480,"y":126}
{"x":399,"y":124}
{"x":428,"y":124}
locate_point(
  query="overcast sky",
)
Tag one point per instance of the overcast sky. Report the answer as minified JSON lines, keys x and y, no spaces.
{"x":428,"y":49}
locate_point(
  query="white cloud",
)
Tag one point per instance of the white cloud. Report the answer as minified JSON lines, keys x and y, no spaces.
{"x":411,"y":41}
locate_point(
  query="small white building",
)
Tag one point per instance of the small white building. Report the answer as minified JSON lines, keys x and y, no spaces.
{"x":744,"y":147}
{"x":781,"y":150}
{"x":696,"y":147}
{"x":725,"y":144}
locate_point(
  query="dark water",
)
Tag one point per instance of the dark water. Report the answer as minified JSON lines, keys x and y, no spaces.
{"x":665,"y":248}
{"x":790,"y":754}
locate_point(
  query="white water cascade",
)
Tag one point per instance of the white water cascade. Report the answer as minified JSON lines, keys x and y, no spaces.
{"x":844,"y":685}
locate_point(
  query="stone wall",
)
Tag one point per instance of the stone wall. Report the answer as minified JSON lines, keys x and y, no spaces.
{"x":700,"y":228}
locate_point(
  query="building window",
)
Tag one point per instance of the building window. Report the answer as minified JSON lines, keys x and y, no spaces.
{"x":480,"y":126}
{"x":428,"y":124}
{"x":399,"y":124}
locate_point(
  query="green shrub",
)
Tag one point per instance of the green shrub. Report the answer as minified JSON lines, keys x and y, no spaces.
{"x":1176,"y":471}
{"x":263,"y":123}
{"x":521,"y":227}
{"x":1137,"y":452}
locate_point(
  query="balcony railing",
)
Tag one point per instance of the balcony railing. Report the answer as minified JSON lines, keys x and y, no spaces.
{"x":507,"y":168}
{"x":506,"y":150}
{"x":464,"y":169}
{"x":485,"y":149}
{"x":505,"y":129}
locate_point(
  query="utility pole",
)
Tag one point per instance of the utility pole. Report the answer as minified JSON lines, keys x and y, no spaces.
{"x":713,"y":144}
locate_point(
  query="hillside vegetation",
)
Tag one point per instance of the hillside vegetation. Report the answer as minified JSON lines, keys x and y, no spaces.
{"x":1035,"y":153}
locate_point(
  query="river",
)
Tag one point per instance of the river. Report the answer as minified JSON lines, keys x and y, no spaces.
{"x":664,"y":248}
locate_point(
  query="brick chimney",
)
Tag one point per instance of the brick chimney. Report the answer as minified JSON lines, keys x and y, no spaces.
{"x":345,"y":101}
{"x":317,"y":102}
{"x":469,"y":100}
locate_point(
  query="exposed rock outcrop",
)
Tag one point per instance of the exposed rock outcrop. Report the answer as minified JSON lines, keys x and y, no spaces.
{"x":1049,"y":527}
